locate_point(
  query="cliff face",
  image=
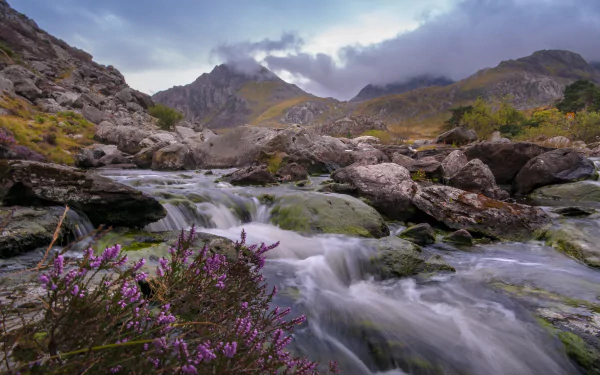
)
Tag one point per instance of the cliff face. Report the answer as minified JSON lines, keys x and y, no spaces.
{"x":227,"y":97}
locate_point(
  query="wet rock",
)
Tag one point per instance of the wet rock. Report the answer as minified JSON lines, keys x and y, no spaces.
{"x":458,"y":136}
{"x":421,"y":234}
{"x":322,"y":213}
{"x":476,"y":177}
{"x":292,"y":172}
{"x":388,"y":187}
{"x":505,"y":160}
{"x":143,"y":159}
{"x":574,"y":211}
{"x":103,"y":200}
{"x":176,"y":156}
{"x":553,"y":167}
{"x":581,"y":191}
{"x":393,"y":257}
{"x":29,"y":228}
{"x":453,"y":163}
{"x":576,"y":238}
{"x":459,"y":209}
{"x":460,"y":237}
{"x":253,"y":175}
{"x":99,"y":155}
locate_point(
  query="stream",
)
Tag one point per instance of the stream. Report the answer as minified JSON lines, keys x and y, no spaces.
{"x":479,"y":320}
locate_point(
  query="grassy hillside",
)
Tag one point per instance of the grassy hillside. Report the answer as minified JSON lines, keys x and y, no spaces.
{"x":57,"y":137}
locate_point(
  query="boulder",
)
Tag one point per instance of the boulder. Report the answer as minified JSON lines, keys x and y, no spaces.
{"x":505,"y":160}
{"x":98,"y":155}
{"x":558,"y":142}
{"x":365,"y":139}
{"x":24,"y":81}
{"x":392,"y":257}
{"x":176,"y":156}
{"x":453,"y":163}
{"x":327,"y":213}
{"x":388,"y":187}
{"x":292,"y":172}
{"x":126,"y":138}
{"x":554,"y":167}
{"x":421,"y":234}
{"x":93,"y":114}
{"x":32,"y":227}
{"x":459,"y":209}
{"x":101,"y":199}
{"x":49,"y":105}
{"x":158,"y":137}
{"x":368,"y":157}
{"x":403,"y":160}
{"x":184,"y":132}
{"x":581,"y":191}
{"x":576,"y":238}
{"x":428,"y":167}
{"x":245,"y":145}
{"x":252,"y":175}
{"x":476,"y":177}
{"x":458,"y":136}
{"x":460,"y":237}
{"x":6,"y":86}
{"x":143,"y":159}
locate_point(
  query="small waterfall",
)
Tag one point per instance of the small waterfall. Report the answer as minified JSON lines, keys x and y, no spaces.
{"x":80,"y":223}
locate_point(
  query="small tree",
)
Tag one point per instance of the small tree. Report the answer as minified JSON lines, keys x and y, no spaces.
{"x":458,"y":113}
{"x":580,"y":95}
{"x":167,"y":117}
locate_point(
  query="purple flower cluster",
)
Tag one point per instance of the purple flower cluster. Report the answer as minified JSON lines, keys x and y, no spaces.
{"x":6,"y":138}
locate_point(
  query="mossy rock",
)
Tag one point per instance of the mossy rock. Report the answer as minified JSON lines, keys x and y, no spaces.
{"x":393,"y":257}
{"x":581,"y":191}
{"x":321,"y":213}
{"x":421,"y":234}
{"x":578,"y":239}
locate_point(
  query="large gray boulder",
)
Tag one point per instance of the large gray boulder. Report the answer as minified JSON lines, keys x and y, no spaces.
{"x":554,"y":167}
{"x":252,"y":175}
{"x":127,"y":138}
{"x":581,"y":191}
{"x":388,"y":187}
{"x":24,"y":81}
{"x":99,"y":155}
{"x":6,"y":85}
{"x":505,"y":159}
{"x":103,"y":200}
{"x":476,"y":177}
{"x":245,"y":145}
{"x":327,"y":213}
{"x":459,"y":209}
{"x":576,"y":238}
{"x":176,"y":156}
{"x":453,"y":163}
{"x":32,"y":227}
{"x":458,"y":136}
{"x":143,"y":159}
{"x":428,"y":167}
{"x":93,"y":114}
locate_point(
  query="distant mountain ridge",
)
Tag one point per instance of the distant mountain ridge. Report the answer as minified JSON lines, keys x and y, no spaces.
{"x":374,"y":91}
{"x":227,"y":97}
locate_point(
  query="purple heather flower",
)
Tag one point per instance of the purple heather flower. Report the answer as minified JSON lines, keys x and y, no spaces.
{"x":244,"y":305}
{"x":59,"y":264}
{"x":230,"y":349}
{"x":139,"y":265}
{"x":205,"y":354}
{"x":44,"y":279}
{"x":75,"y":290}
{"x":116,"y":369}
{"x":189,"y":369}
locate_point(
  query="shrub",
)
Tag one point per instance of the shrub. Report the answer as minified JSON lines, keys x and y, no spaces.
{"x":6,"y":138}
{"x":39,"y":119}
{"x":167,"y":117}
{"x":580,"y":95}
{"x":200,"y":314}
{"x":50,"y":139}
{"x":25,"y":153}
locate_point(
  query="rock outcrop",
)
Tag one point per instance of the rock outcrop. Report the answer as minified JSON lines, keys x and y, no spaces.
{"x":477,"y":177}
{"x":458,"y":136}
{"x":388,"y":187}
{"x":453,"y":163}
{"x":459,"y":209}
{"x":554,"y":167}
{"x":252,"y":175}
{"x":101,"y":199}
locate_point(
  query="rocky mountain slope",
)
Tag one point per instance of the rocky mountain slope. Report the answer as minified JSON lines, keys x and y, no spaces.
{"x":374,"y":91}
{"x":52,"y":95}
{"x":227,"y":97}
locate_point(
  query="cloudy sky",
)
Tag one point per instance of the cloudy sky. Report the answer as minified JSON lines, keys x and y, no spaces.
{"x":327,"y":47}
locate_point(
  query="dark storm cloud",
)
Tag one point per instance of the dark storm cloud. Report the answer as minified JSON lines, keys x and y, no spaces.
{"x":475,"y":34}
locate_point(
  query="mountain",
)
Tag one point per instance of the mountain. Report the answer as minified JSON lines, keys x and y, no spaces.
{"x":374,"y":91}
{"x":595,"y":65}
{"x":228,"y":97}
{"x":532,"y":81}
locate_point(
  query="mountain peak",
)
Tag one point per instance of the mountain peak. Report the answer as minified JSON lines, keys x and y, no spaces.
{"x":372,"y":91}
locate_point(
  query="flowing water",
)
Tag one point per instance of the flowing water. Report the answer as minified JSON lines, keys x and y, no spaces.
{"x":461,"y":323}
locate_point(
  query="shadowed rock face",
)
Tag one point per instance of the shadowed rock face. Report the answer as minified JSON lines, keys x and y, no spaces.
{"x":374,"y":91}
{"x":101,"y":199}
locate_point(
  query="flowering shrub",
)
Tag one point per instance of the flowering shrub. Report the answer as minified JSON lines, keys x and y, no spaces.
{"x":200,"y":314}
{"x":6,"y":139}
